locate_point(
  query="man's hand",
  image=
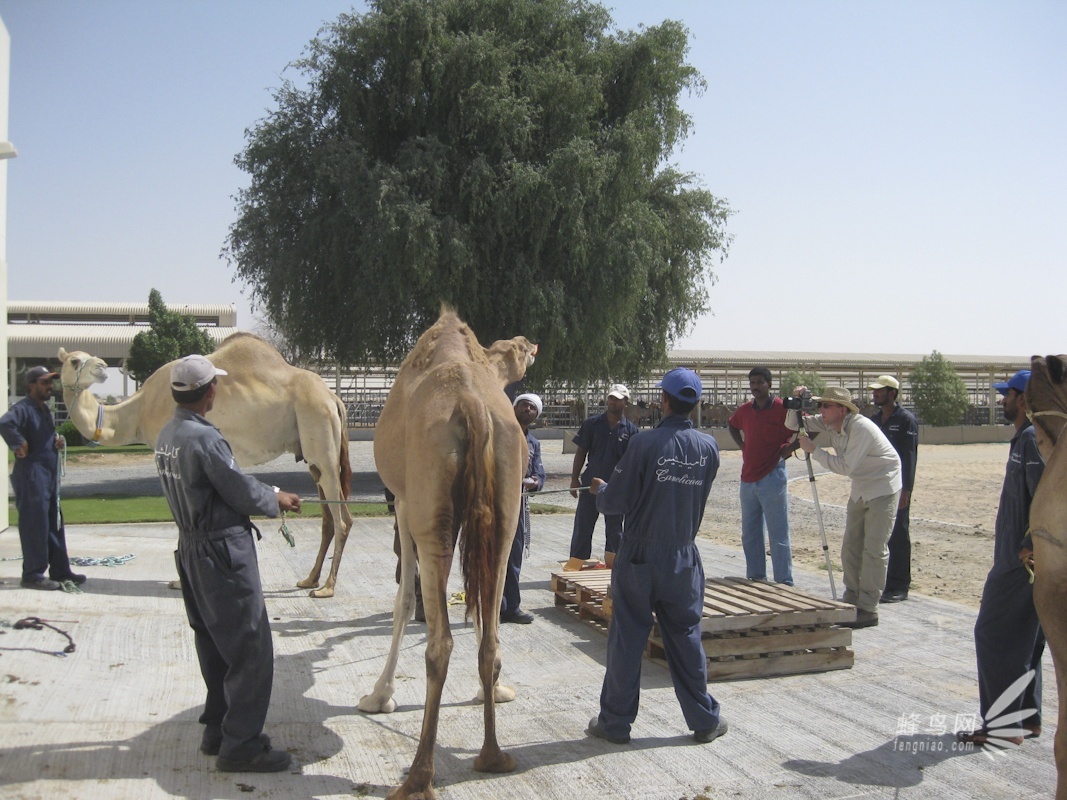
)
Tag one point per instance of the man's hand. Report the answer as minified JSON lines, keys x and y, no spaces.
{"x":1026,"y":555}
{"x":905,"y":499}
{"x":287,"y":501}
{"x":22,"y":450}
{"x":529,"y":484}
{"x":59,"y":442}
{"x":575,"y":487}
{"x":799,"y":390}
{"x":594,"y":487}
{"x":806,"y":444}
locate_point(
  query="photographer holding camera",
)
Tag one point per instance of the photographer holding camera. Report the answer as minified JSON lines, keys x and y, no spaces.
{"x":864,"y":454}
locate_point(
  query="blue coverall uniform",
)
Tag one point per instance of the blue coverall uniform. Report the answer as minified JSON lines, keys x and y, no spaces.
{"x":534,"y":469}
{"x":35,"y":481}
{"x":902,"y":431}
{"x":604,"y":446}
{"x":1008,"y":641}
{"x":211,"y":500}
{"x":661,"y":485}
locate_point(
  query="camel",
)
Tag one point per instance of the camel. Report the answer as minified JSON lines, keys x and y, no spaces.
{"x":449,"y":447}
{"x":264,"y":408}
{"x":1046,"y":397}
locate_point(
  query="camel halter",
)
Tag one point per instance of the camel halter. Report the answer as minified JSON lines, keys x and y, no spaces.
{"x":77,"y":390}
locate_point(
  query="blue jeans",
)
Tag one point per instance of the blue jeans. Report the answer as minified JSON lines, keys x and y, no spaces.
{"x":766,"y":502}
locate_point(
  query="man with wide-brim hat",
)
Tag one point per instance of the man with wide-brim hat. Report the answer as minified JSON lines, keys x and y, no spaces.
{"x":864,"y":454}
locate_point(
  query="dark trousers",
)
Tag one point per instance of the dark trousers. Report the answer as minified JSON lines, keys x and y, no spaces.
{"x":41,"y":531}
{"x":511,"y":598}
{"x":669,"y":581}
{"x":898,"y":576}
{"x":585,"y":517}
{"x":224,"y":603}
{"x":1008,"y":643}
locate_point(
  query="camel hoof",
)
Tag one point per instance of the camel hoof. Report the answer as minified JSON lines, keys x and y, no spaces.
{"x":501,"y":762}
{"x":308,"y":583}
{"x":325,"y":591}
{"x":501,"y":694}
{"x":402,"y":792}
{"x":371,"y":704}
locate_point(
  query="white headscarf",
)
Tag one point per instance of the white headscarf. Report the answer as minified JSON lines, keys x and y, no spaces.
{"x":533,"y":400}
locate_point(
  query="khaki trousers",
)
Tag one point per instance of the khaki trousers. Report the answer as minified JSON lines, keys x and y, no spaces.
{"x":864,"y":548}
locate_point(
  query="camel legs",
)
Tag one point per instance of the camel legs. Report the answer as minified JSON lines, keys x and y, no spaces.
{"x":335,"y":518}
{"x":1050,"y":597}
{"x":492,"y":758}
{"x":380,"y":701}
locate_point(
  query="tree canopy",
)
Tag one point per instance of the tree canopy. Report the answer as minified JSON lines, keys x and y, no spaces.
{"x":939,"y":394}
{"x":507,"y":157}
{"x":797,"y":377}
{"x":170,"y":335}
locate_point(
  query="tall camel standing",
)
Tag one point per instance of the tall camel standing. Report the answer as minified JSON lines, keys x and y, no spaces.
{"x":449,"y":447}
{"x":266,"y":408}
{"x":1046,"y":397}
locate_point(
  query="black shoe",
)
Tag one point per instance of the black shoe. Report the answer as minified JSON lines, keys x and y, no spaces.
{"x":266,"y":760}
{"x":864,"y":619}
{"x":894,"y":597}
{"x":711,"y":735}
{"x":44,"y":584}
{"x":211,"y":742}
{"x":518,"y":616}
{"x":597,"y":730}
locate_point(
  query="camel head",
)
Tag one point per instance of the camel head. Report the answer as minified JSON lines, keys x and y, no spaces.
{"x":511,"y":358}
{"x":1046,"y":400}
{"x":81,"y":370}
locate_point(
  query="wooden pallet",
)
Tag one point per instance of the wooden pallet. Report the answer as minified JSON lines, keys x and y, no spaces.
{"x":749,"y":629}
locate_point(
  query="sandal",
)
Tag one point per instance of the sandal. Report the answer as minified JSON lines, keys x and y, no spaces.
{"x":985,"y":736}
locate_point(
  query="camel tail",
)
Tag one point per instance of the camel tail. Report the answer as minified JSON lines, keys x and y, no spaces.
{"x":477,"y":545}
{"x":344,"y":465}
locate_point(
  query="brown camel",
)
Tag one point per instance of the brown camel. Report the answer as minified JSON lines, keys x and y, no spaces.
{"x":265,"y":409}
{"x":449,"y":447}
{"x":1046,"y":397}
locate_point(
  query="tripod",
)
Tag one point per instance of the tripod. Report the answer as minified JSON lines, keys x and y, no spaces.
{"x":818,"y":509}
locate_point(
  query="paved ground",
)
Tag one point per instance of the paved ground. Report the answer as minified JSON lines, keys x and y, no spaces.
{"x":118,"y":716}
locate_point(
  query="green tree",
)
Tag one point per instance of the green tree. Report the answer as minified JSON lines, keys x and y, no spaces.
{"x":938,"y":392}
{"x":508,"y":157}
{"x":796,"y":377}
{"x":170,"y":335}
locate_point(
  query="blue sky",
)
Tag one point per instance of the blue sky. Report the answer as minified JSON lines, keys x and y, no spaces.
{"x":898,"y":169}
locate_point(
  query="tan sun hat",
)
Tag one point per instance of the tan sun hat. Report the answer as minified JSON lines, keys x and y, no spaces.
{"x":885,"y":382}
{"x":839,"y":395}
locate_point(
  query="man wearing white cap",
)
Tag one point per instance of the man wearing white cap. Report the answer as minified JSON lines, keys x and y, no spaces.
{"x":211,"y":500}
{"x":603,"y":438}
{"x":902,"y":430}
{"x":861,"y":452}
{"x":528,"y":408}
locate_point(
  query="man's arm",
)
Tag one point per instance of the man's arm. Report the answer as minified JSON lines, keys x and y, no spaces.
{"x":576,"y":469}
{"x":537,"y":467}
{"x":735,"y":434}
{"x":10,"y":423}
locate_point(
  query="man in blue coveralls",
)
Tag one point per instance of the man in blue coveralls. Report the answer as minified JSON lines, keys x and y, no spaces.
{"x":29,"y":431}
{"x":1008,"y":641}
{"x":661,"y":485}
{"x":211,"y":500}
{"x":528,"y":408}
{"x":602,"y":439}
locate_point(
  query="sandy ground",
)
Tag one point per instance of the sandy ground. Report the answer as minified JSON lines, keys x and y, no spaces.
{"x":953,"y":511}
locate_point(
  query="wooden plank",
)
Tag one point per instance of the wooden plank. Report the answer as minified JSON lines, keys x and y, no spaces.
{"x":766,"y":666}
{"x":765,"y":642}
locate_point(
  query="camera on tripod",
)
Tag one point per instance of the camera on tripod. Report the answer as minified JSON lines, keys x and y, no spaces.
{"x":802,"y":403}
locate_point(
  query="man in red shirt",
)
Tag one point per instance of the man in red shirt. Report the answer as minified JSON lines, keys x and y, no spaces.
{"x":759,"y":429}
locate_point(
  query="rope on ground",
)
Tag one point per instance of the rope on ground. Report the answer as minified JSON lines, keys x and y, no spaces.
{"x":37,"y":624}
{"x":105,"y":561}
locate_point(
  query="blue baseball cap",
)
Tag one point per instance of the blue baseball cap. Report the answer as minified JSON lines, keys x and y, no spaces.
{"x":1017,"y":382}
{"x":682,"y":384}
